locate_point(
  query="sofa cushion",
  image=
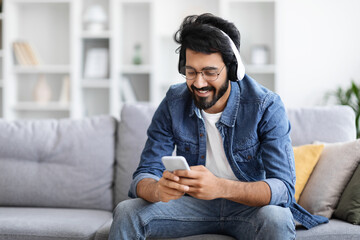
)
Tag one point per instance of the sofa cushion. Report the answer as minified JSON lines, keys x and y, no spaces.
{"x":334,"y":230}
{"x":202,"y":237}
{"x":348,"y":208}
{"x":333,"y":171}
{"x":306,"y":157}
{"x":327,"y":124}
{"x":135,"y":120}
{"x":57,"y":163}
{"x":50,"y":223}
{"x":103,"y":232}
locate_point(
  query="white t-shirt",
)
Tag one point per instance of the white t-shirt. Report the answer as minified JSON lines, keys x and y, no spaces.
{"x":216,"y":160}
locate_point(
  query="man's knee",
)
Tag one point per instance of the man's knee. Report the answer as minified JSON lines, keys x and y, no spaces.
{"x":277,"y":220}
{"x":275,"y":213}
{"x":127,"y":208}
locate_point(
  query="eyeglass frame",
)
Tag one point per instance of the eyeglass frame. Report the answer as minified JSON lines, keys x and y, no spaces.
{"x":202,"y":74}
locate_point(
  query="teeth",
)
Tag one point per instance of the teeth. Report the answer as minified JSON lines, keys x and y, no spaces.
{"x":203,"y":91}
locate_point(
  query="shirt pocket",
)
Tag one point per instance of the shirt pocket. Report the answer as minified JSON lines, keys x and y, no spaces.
{"x":246,"y":153}
{"x":249,"y":162}
{"x":188,"y":150}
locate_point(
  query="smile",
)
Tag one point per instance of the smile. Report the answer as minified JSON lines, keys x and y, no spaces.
{"x":202,"y":93}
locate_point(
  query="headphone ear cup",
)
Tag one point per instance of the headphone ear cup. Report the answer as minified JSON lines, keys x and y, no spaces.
{"x":181,"y":65}
{"x":182,"y":61}
{"x":232,"y":71}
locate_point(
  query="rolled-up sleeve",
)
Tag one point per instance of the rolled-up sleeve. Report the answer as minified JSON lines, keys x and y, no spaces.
{"x":137,"y":179}
{"x":279,"y":192}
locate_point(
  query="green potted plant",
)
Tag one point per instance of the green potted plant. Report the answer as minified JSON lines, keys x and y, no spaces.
{"x":350,"y":97}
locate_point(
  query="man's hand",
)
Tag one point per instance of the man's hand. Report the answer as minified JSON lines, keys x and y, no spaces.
{"x":170,"y":188}
{"x":200,"y":183}
{"x":203,"y":184}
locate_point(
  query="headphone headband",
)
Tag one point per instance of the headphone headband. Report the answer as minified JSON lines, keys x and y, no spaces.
{"x":240,"y":73}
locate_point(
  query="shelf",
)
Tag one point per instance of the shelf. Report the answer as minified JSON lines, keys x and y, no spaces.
{"x":50,"y":69}
{"x":41,"y":1}
{"x":250,"y":1}
{"x":135,"y":1}
{"x":136,"y":69}
{"x":96,"y":83}
{"x":34,"y":106}
{"x":99,"y":35}
{"x":260,"y":69}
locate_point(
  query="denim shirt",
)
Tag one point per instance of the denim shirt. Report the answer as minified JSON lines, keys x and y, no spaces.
{"x":256,"y":137}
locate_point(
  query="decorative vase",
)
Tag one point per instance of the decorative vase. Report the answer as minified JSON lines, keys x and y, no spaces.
{"x":42,"y":90}
{"x":95,"y":18}
{"x":137,"y":60}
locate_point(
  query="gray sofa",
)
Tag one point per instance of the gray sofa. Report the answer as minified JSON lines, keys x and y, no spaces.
{"x":60,"y":179}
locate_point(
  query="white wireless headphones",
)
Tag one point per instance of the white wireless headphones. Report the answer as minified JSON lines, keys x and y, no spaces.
{"x":240,"y":73}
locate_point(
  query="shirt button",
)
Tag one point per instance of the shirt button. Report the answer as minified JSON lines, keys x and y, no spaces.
{"x":249,"y":157}
{"x":202,"y":156}
{"x":201,"y":134}
{"x":187,"y":149}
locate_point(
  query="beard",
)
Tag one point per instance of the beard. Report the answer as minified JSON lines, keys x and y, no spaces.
{"x":207,"y":102}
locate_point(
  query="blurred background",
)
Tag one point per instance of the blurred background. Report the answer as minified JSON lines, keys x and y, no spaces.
{"x":78,"y":58}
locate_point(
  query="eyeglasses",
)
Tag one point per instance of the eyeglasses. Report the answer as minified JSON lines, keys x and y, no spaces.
{"x":208,"y":74}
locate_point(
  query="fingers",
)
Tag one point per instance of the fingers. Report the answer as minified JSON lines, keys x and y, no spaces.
{"x":170,"y":176}
{"x":173,"y":185}
{"x":167,"y":194}
{"x":195,"y":172}
{"x":170,"y":188}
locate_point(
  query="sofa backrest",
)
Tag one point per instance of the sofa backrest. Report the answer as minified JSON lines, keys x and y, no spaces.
{"x":328,"y":124}
{"x":135,"y":120}
{"x":57,"y":163}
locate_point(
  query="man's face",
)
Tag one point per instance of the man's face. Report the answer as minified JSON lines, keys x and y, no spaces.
{"x":208,"y":95}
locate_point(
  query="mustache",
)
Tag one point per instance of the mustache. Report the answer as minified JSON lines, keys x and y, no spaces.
{"x":209,"y":88}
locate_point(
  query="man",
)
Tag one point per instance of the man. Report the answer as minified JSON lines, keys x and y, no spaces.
{"x":234,"y":134}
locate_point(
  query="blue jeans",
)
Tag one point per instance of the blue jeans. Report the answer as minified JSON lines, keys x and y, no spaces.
{"x":139,"y":219}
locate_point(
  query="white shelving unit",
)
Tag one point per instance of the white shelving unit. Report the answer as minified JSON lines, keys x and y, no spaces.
{"x":68,"y":39}
{"x":256,"y":23}
{"x":135,"y":18}
{"x":96,"y":91}
{"x":26,"y":21}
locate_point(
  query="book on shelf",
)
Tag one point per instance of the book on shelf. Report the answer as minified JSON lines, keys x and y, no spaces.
{"x":96,"y":63}
{"x":25,"y":54}
{"x":128,"y":92}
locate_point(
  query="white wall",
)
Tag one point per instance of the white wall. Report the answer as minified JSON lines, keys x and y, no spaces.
{"x":318,"y":48}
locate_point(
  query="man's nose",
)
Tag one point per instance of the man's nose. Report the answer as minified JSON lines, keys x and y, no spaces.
{"x":199,"y":80}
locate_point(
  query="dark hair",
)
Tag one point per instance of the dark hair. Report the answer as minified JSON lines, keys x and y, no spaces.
{"x":201,"y":33}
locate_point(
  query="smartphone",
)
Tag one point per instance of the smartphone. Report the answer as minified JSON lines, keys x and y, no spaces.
{"x":173,"y":163}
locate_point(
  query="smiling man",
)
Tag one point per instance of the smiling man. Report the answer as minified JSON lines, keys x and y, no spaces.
{"x":206,"y":96}
{"x":233,"y":132}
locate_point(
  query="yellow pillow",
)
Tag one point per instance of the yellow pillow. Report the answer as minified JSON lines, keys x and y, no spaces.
{"x":306,"y":157}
